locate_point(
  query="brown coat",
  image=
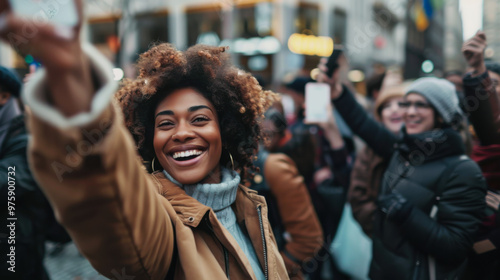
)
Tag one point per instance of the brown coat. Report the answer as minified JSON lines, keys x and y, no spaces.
{"x":296,"y":211}
{"x":129,"y":223}
{"x":366,"y":178}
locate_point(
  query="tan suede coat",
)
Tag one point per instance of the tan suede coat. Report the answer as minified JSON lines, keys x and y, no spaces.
{"x":129,"y":223}
{"x":297,"y":213}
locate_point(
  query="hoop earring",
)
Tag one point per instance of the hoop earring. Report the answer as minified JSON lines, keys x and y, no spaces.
{"x":231,"y":157}
{"x":153,"y":164}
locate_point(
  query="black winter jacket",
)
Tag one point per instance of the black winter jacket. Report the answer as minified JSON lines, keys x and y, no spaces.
{"x":35,"y":219}
{"x":431,"y":171}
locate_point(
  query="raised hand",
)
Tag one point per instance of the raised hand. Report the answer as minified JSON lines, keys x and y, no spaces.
{"x":493,"y":200}
{"x":473,"y":51}
{"x":333,"y":81}
{"x":58,"y":49}
{"x":332,"y":132}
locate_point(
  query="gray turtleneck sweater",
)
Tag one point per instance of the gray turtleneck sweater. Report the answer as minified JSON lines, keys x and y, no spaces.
{"x":220,"y":197}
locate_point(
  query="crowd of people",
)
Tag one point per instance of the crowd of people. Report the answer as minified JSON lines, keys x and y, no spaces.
{"x":193,"y":170}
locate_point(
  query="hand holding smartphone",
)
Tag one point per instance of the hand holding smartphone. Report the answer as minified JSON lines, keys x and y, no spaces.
{"x":57,"y":12}
{"x":317,"y":98}
{"x":333,"y":61}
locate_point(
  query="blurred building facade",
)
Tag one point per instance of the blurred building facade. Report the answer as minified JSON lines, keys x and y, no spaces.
{"x":424,"y":44}
{"x":491,"y":22}
{"x":453,"y":37}
{"x":257,"y":32}
{"x":377,"y":33}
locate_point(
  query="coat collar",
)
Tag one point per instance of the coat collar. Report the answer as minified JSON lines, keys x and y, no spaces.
{"x":188,"y":209}
{"x":431,"y":145}
{"x":191,"y":211}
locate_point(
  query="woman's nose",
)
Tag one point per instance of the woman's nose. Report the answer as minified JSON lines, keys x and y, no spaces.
{"x":183,"y":133}
{"x":411,"y":110}
{"x":395,"y":107}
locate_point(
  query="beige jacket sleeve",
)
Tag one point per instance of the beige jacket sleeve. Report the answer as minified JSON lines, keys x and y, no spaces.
{"x":297,"y":212}
{"x":91,"y":174}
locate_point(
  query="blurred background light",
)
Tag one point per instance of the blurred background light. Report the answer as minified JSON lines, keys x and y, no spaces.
{"x":489,"y":53}
{"x":310,"y":44}
{"x":427,"y":66}
{"x":118,"y":73}
{"x":269,"y":45}
{"x":29,"y":59}
{"x":356,"y":76}
{"x":314,"y":73}
{"x":257,"y":63}
{"x":208,"y":38}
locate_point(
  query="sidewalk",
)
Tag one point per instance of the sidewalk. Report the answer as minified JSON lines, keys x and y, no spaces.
{"x":69,"y":264}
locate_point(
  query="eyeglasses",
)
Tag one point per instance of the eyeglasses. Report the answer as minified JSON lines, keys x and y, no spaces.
{"x":419,"y":105}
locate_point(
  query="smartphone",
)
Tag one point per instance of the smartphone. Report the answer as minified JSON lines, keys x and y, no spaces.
{"x":317,"y":98}
{"x":57,"y":12}
{"x":333,"y":63}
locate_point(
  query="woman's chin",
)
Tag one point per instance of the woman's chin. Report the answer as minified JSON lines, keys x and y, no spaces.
{"x":192,"y":177}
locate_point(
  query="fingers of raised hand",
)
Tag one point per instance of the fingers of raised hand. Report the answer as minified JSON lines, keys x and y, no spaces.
{"x":493,"y":195}
{"x":481,"y":35}
{"x":322,"y":77}
{"x":474,"y":46}
{"x":493,"y":200}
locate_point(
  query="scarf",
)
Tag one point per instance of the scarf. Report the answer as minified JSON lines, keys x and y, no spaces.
{"x":219,"y":197}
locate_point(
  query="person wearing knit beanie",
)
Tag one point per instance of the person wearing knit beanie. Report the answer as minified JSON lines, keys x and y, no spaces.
{"x":428,"y":102}
{"x":440,"y":93}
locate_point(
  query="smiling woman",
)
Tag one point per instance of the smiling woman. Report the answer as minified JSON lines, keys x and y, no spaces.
{"x":193,"y":117}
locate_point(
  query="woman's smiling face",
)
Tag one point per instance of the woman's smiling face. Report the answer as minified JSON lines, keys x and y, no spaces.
{"x":187,"y":139}
{"x":392,"y":114}
{"x":418,"y":114}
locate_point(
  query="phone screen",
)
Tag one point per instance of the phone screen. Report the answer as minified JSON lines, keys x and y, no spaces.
{"x":317,"y":98}
{"x":58,"y":12}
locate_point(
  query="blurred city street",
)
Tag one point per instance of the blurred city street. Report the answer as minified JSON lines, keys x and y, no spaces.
{"x":68,"y":264}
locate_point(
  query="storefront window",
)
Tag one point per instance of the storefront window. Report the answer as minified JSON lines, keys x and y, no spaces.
{"x":254,"y":21}
{"x":307,"y":19}
{"x":339,"y":26}
{"x":204,"y":26}
{"x":104,"y":36}
{"x":152,"y":28}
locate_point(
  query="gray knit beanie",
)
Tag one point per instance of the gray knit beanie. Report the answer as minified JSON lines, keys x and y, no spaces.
{"x":440,"y":93}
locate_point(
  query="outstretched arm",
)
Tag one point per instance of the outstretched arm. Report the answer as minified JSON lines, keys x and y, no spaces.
{"x":374,"y":134}
{"x":482,"y":102}
{"x":85,"y":160}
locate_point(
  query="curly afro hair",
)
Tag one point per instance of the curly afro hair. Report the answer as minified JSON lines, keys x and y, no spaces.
{"x":236,"y":95}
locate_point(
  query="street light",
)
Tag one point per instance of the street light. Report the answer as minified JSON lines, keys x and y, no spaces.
{"x":427,"y":66}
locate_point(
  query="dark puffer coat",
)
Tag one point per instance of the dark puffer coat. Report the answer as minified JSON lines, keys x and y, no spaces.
{"x":431,"y":171}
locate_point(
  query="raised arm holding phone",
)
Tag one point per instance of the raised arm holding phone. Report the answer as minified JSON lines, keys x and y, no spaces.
{"x":190,"y":217}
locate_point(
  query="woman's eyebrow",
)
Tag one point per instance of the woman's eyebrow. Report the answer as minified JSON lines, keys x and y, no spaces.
{"x":190,"y":109}
{"x":199,"y":107}
{"x":166,"y":112}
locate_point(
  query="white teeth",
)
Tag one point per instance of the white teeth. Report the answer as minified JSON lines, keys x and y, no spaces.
{"x":187,"y":153}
